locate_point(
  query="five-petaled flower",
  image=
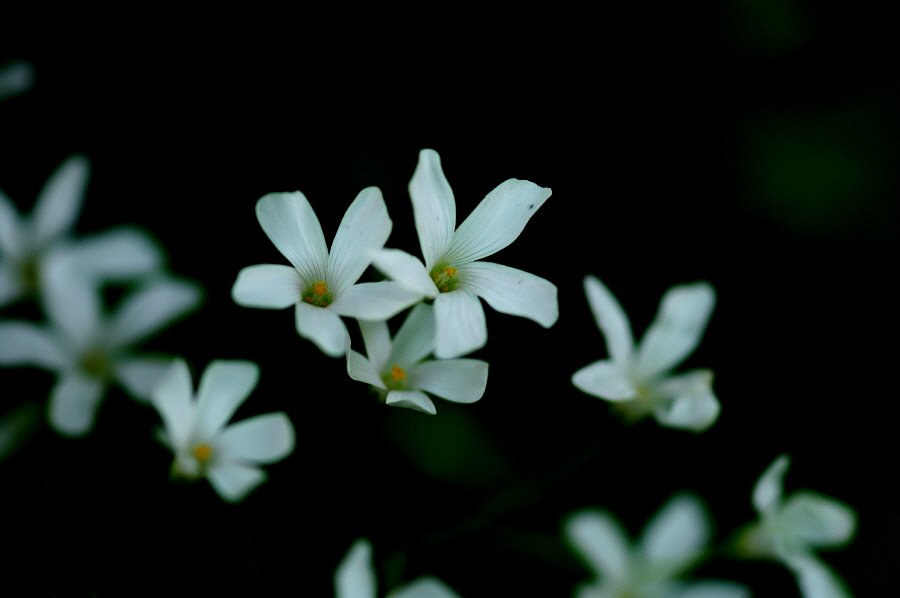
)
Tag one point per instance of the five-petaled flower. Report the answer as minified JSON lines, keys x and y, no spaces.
{"x":321,"y":284}
{"x":672,"y":542}
{"x":194,"y":427}
{"x":453,"y":274}
{"x":790,"y":528}
{"x":397,"y":370}
{"x":637,"y":379}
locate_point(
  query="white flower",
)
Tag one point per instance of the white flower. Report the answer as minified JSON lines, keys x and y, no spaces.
{"x":194,"y":427}
{"x":27,"y":244}
{"x":15,"y":77}
{"x":320,"y":284}
{"x":638,"y":379}
{"x":452,"y":274}
{"x":398,"y":371}
{"x":355,"y":578}
{"x":790,"y":528}
{"x":89,"y":350}
{"x":673,"y":541}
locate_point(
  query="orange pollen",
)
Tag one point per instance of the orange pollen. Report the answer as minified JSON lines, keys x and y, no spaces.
{"x":397,"y":373}
{"x":319,"y":288}
{"x":450,"y":271}
{"x":202,"y":452}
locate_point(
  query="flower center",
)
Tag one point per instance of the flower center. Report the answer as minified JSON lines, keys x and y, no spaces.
{"x":397,"y":373}
{"x":95,"y":362}
{"x":318,"y":295}
{"x":29,"y":274}
{"x":394,"y":378}
{"x":202,"y":452}
{"x":444,"y":278}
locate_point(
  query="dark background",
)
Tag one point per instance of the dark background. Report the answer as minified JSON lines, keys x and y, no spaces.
{"x":753,"y":146}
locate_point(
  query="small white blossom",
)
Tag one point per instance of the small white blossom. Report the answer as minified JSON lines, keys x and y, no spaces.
{"x":672,"y":542}
{"x":87,"y":349}
{"x":355,"y":578}
{"x":195,"y":427}
{"x":321,"y":284}
{"x":452,"y":273}
{"x":638,"y":379}
{"x":790,"y":528}
{"x":396,"y":368}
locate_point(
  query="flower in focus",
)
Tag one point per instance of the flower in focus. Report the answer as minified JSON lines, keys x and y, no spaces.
{"x":452,"y":273}
{"x":194,"y":427}
{"x":321,"y":284}
{"x":355,"y":578}
{"x":638,"y":379}
{"x":672,"y":542}
{"x":396,"y":368}
{"x":790,"y":528}
{"x":89,"y":350}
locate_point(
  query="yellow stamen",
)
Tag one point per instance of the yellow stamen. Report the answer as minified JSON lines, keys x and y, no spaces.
{"x":397,"y":373}
{"x":319,"y":288}
{"x":450,"y":271}
{"x":202,"y":452}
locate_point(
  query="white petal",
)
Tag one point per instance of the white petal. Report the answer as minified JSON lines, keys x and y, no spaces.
{"x":11,"y":287}
{"x":24,"y":343}
{"x":377,"y":339}
{"x":611,"y":319}
{"x":268,"y":286}
{"x":460,"y":326}
{"x":374,"y":300}
{"x":263,"y":439}
{"x":234,"y":481}
{"x":496,"y":222}
{"x":140,"y":375}
{"x":768,"y":490}
{"x":715,"y":589}
{"x":172,"y":398}
{"x":149,"y":309}
{"x":817,"y":520}
{"x":694,"y":405}
{"x":59,"y":202}
{"x":355,"y":576}
{"x":457,"y":380}
{"x":11,"y":243}
{"x":73,"y":404}
{"x":815,"y":578}
{"x":602,"y":543}
{"x":364,"y":229}
{"x":424,"y":587}
{"x":605,"y":379}
{"x":225,"y":384}
{"x":118,"y":254}
{"x":677,"y":329}
{"x":292,"y":226}
{"x":323,"y":327}
{"x":405,"y":269}
{"x":434,"y":206}
{"x":677,"y":533}
{"x":71,"y":301}
{"x":412,"y":399}
{"x":361,"y":369}
{"x":512,"y":291}
{"x":415,"y":339}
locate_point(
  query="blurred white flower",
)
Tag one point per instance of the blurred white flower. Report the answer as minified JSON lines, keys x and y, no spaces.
{"x":15,"y":77}
{"x":396,"y":368}
{"x":355,"y":578}
{"x":790,"y":528}
{"x":87,"y":349}
{"x":28,"y":243}
{"x":453,"y":274}
{"x":672,"y":542}
{"x":638,"y":379}
{"x":321,"y":284}
{"x":194,"y":427}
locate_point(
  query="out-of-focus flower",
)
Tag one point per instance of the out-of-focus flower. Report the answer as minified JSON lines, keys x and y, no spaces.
{"x":396,"y":368}
{"x":27,"y":243}
{"x":321,"y":284}
{"x":790,"y":528}
{"x":638,"y":379}
{"x":194,"y":427}
{"x":88,"y":349}
{"x":672,"y":542}
{"x":355,"y":578}
{"x":15,"y":77}
{"x":453,"y":274}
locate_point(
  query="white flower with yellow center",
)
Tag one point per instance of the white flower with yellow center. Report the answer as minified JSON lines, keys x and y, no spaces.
{"x":321,"y":284}
{"x":397,"y":370}
{"x":638,"y":379}
{"x":355,"y":578}
{"x":194,"y":427}
{"x":790,"y":528}
{"x":672,"y":542}
{"x":453,"y":274}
